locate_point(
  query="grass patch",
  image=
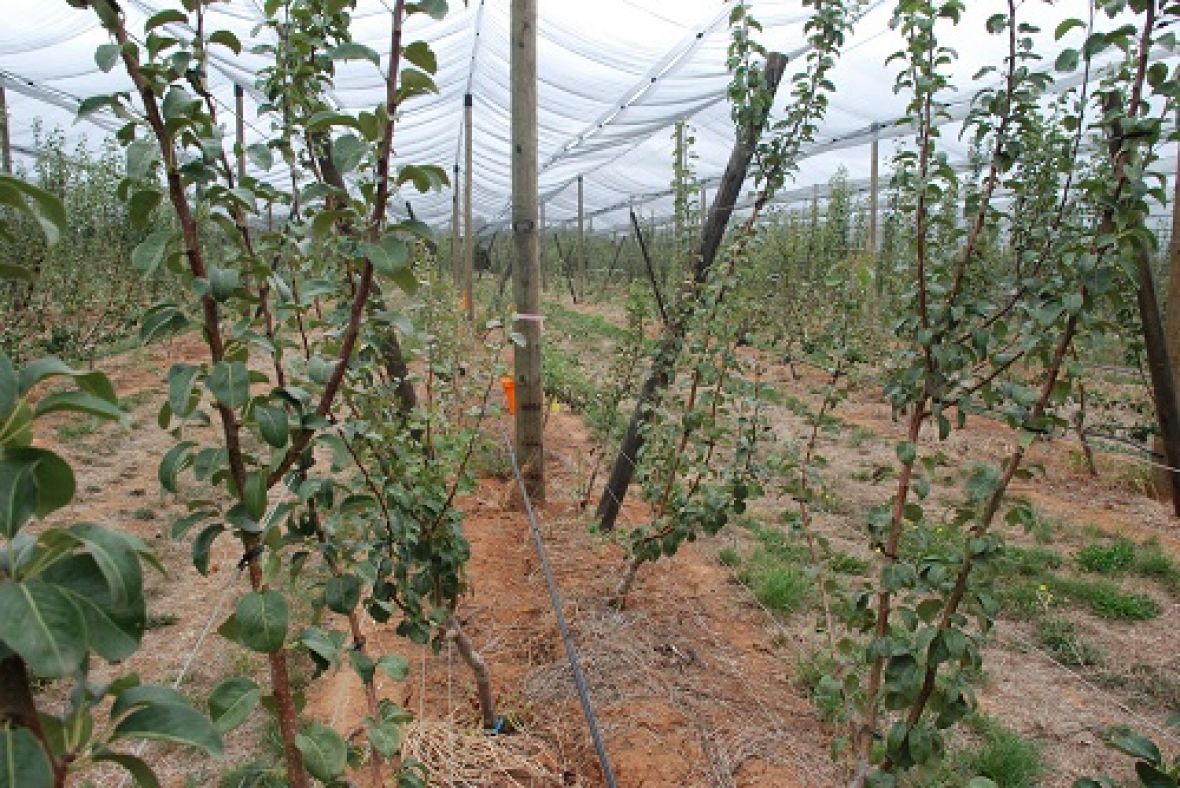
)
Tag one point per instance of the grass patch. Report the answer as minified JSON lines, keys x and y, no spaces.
{"x":1005,"y":757}
{"x":1063,"y":641}
{"x":1154,"y":563}
{"x":1107,"y":600}
{"x":1027,"y":561}
{"x":776,"y":581}
{"x":728,"y":556}
{"x":1107,"y":559}
{"x":847,"y":564}
{"x":1023,"y":600}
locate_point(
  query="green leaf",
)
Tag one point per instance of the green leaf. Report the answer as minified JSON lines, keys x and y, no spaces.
{"x":171,"y":723}
{"x":23,"y":762}
{"x":149,"y":254}
{"x":1135,"y":745}
{"x":342,"y":593}
{"x":202,"y":545}
{"x":223,"y":282}
{"x":272,"y":423}
{"x":170,"y":15}
{"x":436,"y":9}
{"x":415,"y":82}
{"x":174,"y":461}
{"x":181,"y":378}
{"x":44,"y":626}
{"x":113,"y":631}
{"x":141,"y":206}
{"x":348,"y":152}
{"x":260,"y":156}
{"x":95,"y":383}
{"x":262,"y":618}
{"x":226,"y":39}
{"x":254,"y":496}
{"x":421,"y":55}
{"x":139,"y":770}
{"x":9,"y":386}
{"x":325,"y":754}
{"x":395,"y":666}
{"x":352,"y":50}
{"x":106,"y":56}
{"x":1065,"y":26}
{"x":116,"y":559}
{"x":1067,"y":60}
{"x":906,"y":452}
{"x":327,"y":118}
{"x":141,"y":155}
{"x":161,"y":321}
{"x":18,"y":494}
{"x":54,"y":477}
{"x":231,"y":702}
{"x":79,"y":402}
{"x":386,"y":737}
{"x":42,"y":206}
{"x":230,"y":383}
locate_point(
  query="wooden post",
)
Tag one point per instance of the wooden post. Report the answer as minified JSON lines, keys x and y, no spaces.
{"x":680,"y":198}
{"x":240,"y":130}
{"x":468,"y":230}
{"x":704,"y":206}
{"x":581,"y":242}
{"x":456,"y":258}
{"x":541,"y":249}
{"x":526,"y":268}
{"x":659,"y":377}
{"x":5,"y":140}
{"x":874,"y":186}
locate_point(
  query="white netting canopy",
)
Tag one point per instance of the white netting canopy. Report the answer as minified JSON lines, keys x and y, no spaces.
{"x":614,"y":78}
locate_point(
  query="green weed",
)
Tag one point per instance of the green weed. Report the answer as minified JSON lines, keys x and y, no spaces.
{"x":776,"y":582}
{"x":728,"y":556}
{"x":1063,"y":641}
{"x":1005,"y":757}
{"x":1107,"y":559}
{"x":1107,"y":600}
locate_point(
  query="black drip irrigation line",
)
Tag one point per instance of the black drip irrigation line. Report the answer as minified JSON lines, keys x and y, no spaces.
{"x":566,"y":638}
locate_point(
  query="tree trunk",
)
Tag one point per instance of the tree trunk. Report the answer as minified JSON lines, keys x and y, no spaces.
{"x":664,"y":362}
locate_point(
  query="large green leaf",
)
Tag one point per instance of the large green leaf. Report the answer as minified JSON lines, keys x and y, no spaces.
{"x":160,"y":321}
{"x":9,"y":386}
{"x":113,"y":631}
{"x":95,"y":383}
{"x":202,"y":545}
{"x":149,"y":254}
{"x":174,"y":461}
{"x":140,"y":771}
{"x":272,"y":423}
{"x":325,"y":753}
{"x":181,"y":378}
{"x":231,"y":702}
{"x":23,"y":762}
{"x":44,"y":626}
{"x":37,"y":203}
{"x":55,"y":478}
{"x":18,"y":494}
{"x":342,"y":593}
{"x":116,"y":559}
{"x":79,"y":402}
{"x":230,"y":383}
{"x":171,"y":723}
{"x":140,"y":695}
{"x":262,"y":618}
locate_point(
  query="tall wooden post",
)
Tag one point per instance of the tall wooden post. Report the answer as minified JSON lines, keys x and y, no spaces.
{"x":680,"y":198}
{"x":5,"y":140}
{"x":581,"y":242}
{"x":240,"y":129}
{"x":468,"y":230}
{"x":541,"y":250}
{"x":456,"y":256}
{"x":874,"y":186}
{"x":526,"y":267}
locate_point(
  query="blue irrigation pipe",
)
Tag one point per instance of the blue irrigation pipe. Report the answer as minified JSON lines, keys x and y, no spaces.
{"x":566,"y":638}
